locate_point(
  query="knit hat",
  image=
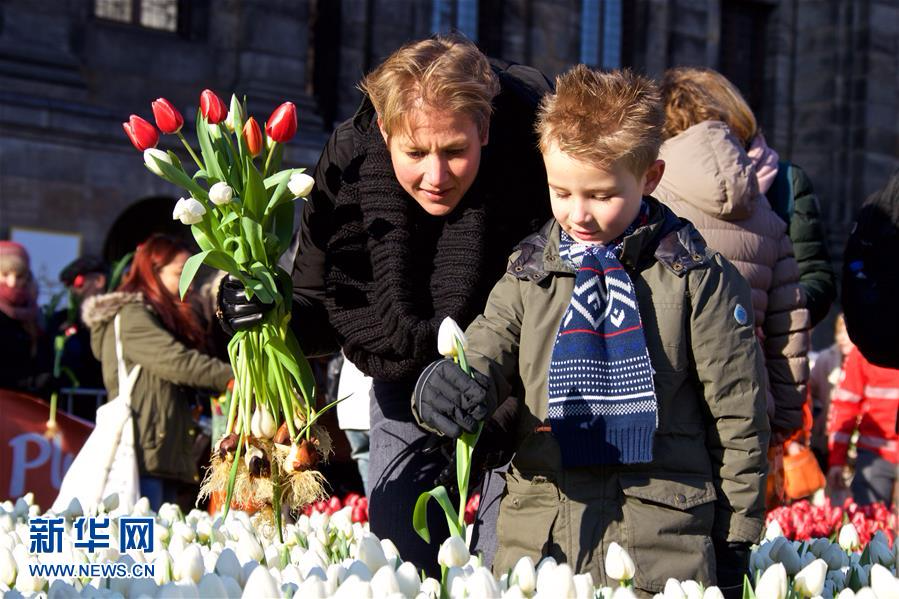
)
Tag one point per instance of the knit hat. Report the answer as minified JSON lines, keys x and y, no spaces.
{"x":13,"y":257}
{"x":82,"y":266}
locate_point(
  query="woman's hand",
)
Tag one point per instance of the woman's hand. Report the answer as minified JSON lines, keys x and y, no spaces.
{"x":235,"y":312}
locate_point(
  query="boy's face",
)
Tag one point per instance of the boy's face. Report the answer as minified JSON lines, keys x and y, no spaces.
{"x":593,"y":204}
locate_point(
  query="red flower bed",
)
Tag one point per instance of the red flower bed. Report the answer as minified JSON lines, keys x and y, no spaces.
{"x":802,"y":521}
{"x":359,"y":504}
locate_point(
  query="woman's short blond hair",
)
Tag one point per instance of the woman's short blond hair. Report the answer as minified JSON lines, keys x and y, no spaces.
{"x":445,"y":73}
{"x":603,"y":117}
{"x":693,"y":95}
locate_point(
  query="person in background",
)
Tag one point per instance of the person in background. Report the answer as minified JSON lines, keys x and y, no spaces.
{"x":699,"y":94}
{"x":827,"y":368}
{"x":353,"y":388}
{"x":161,"y":334}
{"x":865,"y":400}
{"x":24,"y":359}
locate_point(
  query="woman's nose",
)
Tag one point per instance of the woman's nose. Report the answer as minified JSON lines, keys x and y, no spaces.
{"x":436,"y":171}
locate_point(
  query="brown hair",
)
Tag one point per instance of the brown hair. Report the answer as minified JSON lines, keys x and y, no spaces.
{"x":603,"y":117}
{"x":693,"y":95}
{"x":445,"y":72}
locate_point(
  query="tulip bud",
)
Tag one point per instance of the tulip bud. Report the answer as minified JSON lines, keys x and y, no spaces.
{"x":235,"y":115}
{"x":713,"y":592}
{"x":151,"y":155}
{"x":691,"y":589}
{"x":282,"y":124}
{"x":447,"y":334}
{"x":370,"y":552}
{"x":773,"y":583}
{"x":252,"y":137}
{"x":212,"y":107}
{"x":189,"y":566}
{"x":673,"y":590}
{"x":220,"y":194}
{"x":384,"y":582}
{"x":848,"y":539}
{"x":619,"y":565}
{"x":883,"y":583}
{"x":846,"y":593}
{"x":773,"y":530}
{"x":407,"y":578}
{"x":300,"y":184}
{"x":453,"y":552}
{"x":261,"y":584}
{"x":7,"y":567}
{"x":623,"y":593}
{"x":168,"y":119}
{"x":430,"y":587}
{"x":583,"y":586}
{"x":524,"y":576}
{"x":481,"y":583}
{"x":141,"y":133}
{"x":189,"y":211}
{"x":809,"y":581}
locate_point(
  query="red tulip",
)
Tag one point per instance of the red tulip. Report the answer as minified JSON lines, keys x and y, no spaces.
{"x":168,"y":119}
{"x":141,"y":133}
{"x":334,"y":504}
{"x":212,"y":107}
{"x":351,"y":499}
{"x":282,"y":124}
{"x":252,"y":136}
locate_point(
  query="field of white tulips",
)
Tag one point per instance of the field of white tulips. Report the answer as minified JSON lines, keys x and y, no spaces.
{"x":197,"y":555}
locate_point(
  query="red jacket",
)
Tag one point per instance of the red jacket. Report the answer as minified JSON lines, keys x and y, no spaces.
{"x":866,"y":398}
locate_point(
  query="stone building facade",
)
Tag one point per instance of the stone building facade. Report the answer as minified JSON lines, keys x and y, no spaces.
{"x":823,"y":76}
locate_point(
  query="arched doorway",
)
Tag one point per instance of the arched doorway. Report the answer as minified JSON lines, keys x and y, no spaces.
{"x":140,"y":220}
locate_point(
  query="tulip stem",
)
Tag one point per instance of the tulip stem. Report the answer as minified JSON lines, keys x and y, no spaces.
{"x":190,"y":150}
{"x":268,"y":159}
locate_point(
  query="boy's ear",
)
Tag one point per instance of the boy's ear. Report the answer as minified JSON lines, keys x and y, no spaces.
{"x":485,"y":136}
{"x":653,"y":176}
{"x":383,"y":131}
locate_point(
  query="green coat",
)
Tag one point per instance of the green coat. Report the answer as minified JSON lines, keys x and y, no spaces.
{"x":708,"y":474}
{"x":164,"y":429}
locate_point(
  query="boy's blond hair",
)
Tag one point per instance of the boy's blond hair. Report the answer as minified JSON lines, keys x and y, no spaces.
{"x":603,"y":117}
{"x":693,"y":95}
{"x":445,"y":73}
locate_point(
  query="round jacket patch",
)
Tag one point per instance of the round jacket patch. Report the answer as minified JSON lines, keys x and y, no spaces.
{"x":740,"y":314}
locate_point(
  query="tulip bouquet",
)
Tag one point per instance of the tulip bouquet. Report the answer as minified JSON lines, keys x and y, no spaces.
{"x":450,"y":344}
{"x":240,"y":208}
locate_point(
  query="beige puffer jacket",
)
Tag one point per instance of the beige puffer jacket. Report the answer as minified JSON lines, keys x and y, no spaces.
{"x":710,"y":180}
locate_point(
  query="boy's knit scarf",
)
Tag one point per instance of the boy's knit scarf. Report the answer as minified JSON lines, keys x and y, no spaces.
{"x":602,"y":403}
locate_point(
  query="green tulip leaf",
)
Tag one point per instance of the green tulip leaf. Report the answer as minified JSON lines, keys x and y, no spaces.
{"x":252,"y":233}
{"x":748,"y":593}
{"x":420,"y":513}
{"x":177,"y":176}
{"x":191,"y":266}
{"x":202,"y":238}
{"x":255,"y":197}
{"x":229,"y":218}
{"x":222,"y":261}
{"x":200,"y":174}
{"x":282,"y":227}
{"x":210,"y":160}
{"x":262,"y":274}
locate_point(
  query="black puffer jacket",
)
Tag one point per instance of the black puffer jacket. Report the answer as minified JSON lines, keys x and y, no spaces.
{"x":511,"y":183}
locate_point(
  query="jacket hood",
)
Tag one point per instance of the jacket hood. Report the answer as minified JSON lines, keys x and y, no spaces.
{"x":99,"y":310}
{"x":706,"y":167}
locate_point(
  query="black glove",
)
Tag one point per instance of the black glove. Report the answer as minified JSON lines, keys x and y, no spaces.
{"x":236,"y":312}
{"x":449,"y":401}
{"x":732,"y":563}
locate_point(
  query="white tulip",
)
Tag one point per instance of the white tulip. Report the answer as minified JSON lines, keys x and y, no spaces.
{"x":228,"y":564}
{"x":561,"y":581}
{"x":7,"y":567}
{"x":846,"y":594}
{"x":782,"y":551}
{"x":248,"y":548}
{"x":7,"y":524}
{"x":691,"y":589}
{"x":190,"y":566}
{"x":300,"y":184}
{"x":313,"y":588}
{"x":883,"y":583}
{"x":819,"y":546}
{"x":189,"y":211}
{"x":152,"y":153}
{"x":835,"y":557}
{"x":810,"y":580}
{"x":713,"y":592}
{"x":26,"y":583}
{"x":773,"y":583}
{"x":211,"y":585}
{"x":246,"y":570}
{"x":623,"y":593}
{"x":384,"y":582}
{"x":513,"y":593}
{"x":848,"y":538}
{"x":221,"y":194}
{"x":390,"y":552}
{"x":430,"y":587}
{"x":455,"y":582}
{"x":673,"y":590}
{"x":447,"y":335}
{"x":407,"y":578}
{"x":261,"y":584}
{"x":360,"y":570}
{"x":879,"y":550}
{"x":583,"y":586}
{"x":807,"y":558}
{"x":866,"y":593}
{"x":162,"y":568}
{"x":482,"y":584}
{"x":619,"y":565}
{"x":453,"y":552}
{"x":773,"y":530}
{"x":524,"y":576}
{"x":74,"y":510}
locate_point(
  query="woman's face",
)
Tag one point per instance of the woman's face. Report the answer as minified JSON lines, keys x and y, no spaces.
{"x":437,"y":160}
{"x":170,"y":274}
{"x":14,"y":279}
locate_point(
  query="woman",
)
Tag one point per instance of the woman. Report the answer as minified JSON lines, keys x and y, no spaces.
{"x":418,"y":200}
{"x":23,"y":364}
{"x":162,"y":334}
{"x":696,"y":94}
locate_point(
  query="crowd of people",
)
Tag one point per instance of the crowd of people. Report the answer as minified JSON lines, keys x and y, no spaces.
{"x":637,"y":273}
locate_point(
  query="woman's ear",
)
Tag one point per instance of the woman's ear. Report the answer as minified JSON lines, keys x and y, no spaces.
{"x":653,"y":176}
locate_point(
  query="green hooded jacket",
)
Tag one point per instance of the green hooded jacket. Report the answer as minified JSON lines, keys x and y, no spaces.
{"x":164,"y":429}
{"x":707,"y":478}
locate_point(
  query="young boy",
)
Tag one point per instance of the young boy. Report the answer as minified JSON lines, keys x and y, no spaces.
{"x":644,"y":417}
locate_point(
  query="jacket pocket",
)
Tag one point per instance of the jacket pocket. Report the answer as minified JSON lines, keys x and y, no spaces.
{"x":668,"y":523}
{"x":527,"y":513}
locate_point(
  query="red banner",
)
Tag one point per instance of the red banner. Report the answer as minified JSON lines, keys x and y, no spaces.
{"x":29,"y":461}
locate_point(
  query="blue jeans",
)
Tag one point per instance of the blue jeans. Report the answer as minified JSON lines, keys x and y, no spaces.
{"x":158,"y":490}
{"x":358,"y":440}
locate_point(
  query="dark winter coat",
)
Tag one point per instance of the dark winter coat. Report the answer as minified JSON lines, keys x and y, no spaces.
{"x":707,"y":478}
{"x":164,"y":428}
{"x":510,"y":187}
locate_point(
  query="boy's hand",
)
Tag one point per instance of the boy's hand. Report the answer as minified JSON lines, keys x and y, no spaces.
{"x":449,"y":402}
